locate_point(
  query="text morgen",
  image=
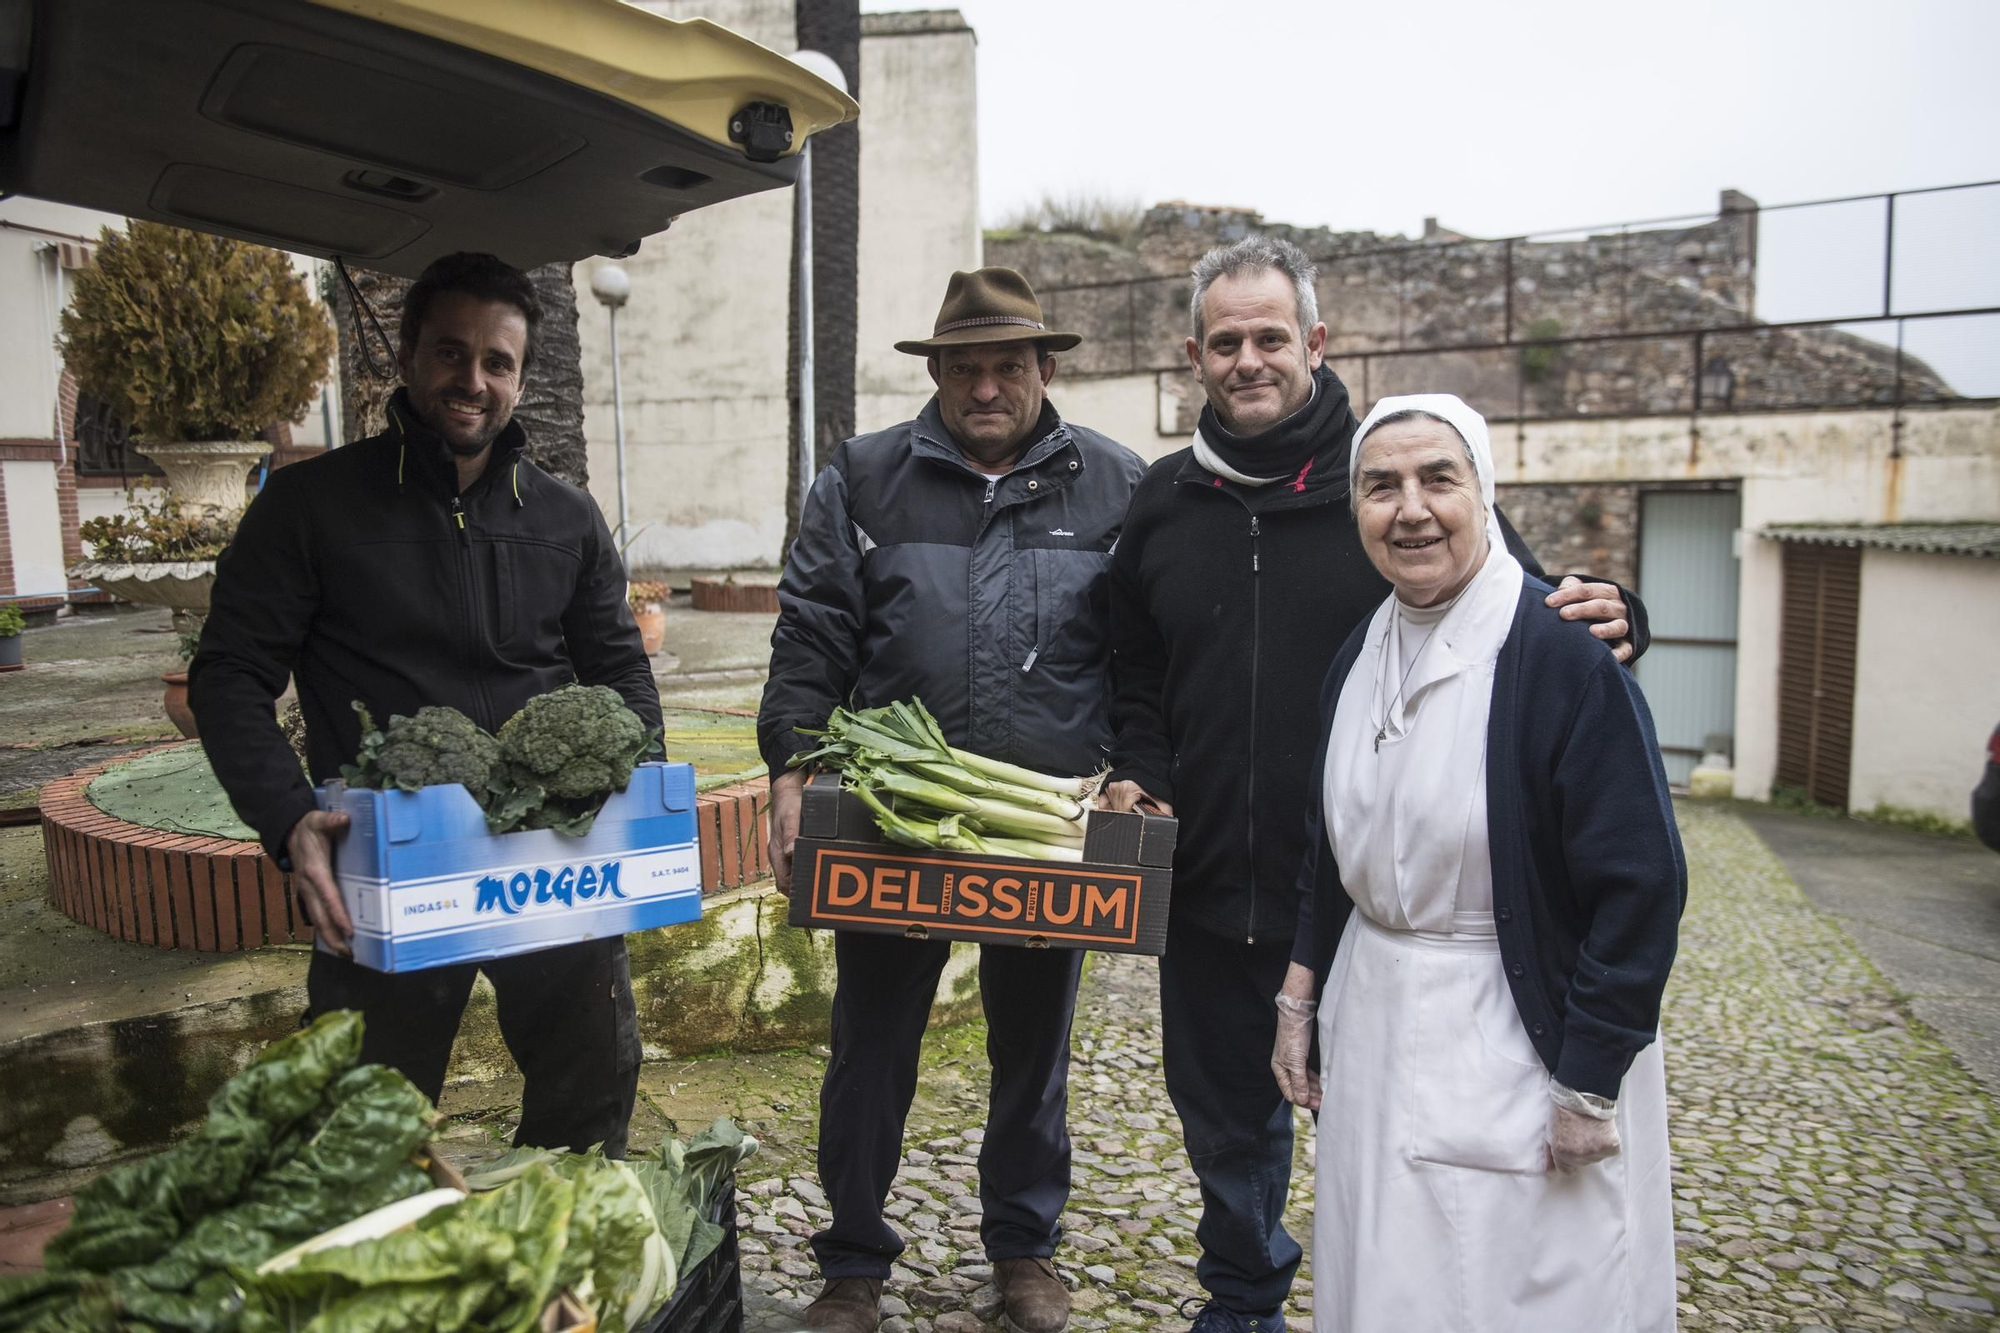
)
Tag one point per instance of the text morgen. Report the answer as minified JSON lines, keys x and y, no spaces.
{"x":1005,"y":898}
{"x":567,"y":885}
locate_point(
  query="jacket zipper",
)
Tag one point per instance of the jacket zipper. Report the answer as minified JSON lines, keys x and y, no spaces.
{"x":468,"y":589}
{"x":1250,"y":783}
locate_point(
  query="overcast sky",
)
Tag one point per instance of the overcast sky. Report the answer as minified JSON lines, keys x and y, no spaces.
{"x":1500,"y":119}
{"x":1495,"y":118}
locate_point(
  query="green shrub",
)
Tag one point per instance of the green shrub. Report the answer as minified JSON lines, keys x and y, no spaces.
{"x":12,"y":622}
{"x":161,"y":531}
{"x":193,"y":337}
{"x":1538,"y":362}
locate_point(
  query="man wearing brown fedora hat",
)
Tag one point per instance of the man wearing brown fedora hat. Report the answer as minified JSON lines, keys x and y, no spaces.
{"x":961,"y":558}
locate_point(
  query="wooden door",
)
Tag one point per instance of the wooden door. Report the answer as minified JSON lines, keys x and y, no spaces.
{"x":1822,"y":609}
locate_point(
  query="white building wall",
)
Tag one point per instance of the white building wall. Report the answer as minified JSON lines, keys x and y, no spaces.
{"x":703,"y":340}
{"x":1926,"y":690}
{"x":919,"y":198}
{"x":34,"y":527}
{"x":29,"y":302}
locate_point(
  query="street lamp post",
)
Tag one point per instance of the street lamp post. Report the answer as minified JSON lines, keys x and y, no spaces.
{"x":823,"y":66}
{"x":610,"y":284}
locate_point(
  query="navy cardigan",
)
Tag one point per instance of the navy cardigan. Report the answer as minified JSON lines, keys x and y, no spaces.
{"x":1588,"y":875}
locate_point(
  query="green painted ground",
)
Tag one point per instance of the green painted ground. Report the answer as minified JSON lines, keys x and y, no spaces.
{"x":176,"y":790}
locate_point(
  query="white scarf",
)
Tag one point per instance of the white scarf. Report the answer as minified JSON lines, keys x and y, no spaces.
{"x":1397,"y":814}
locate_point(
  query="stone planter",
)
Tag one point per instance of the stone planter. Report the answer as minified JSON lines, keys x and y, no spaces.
{"x":207,"y":474}
{"x":652,"y":618}
{"x":181,"y":585}
{"x":10,"y":653}
{"x":175,"y":702}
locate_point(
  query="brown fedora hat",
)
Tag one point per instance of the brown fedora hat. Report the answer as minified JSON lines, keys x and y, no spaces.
{"x":989,"y":305}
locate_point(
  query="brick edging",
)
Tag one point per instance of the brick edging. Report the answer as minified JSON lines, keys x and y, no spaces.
{"x":177,"y":891}
{"x":729,"y":826}
{"x":729,"y":595}
{"x":149,"y":886}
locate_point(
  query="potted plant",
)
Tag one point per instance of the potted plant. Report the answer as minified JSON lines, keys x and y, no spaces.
{"x":197,"y":343}
{"x":187,"y":637}
{"x":649,"y":608}
{"x":12,"y":622}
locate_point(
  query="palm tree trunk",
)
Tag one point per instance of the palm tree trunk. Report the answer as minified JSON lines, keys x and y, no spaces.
{"x":367,"y":364}
{"x":551,"y":406}
{"x":834,"y":28}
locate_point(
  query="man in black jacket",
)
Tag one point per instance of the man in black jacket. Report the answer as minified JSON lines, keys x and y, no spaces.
{"x":961,"y":558}
{"x":1238,"y":577}
{"x":431,"y":564}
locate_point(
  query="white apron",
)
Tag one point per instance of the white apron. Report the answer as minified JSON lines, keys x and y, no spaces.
{"x":1434,"y":1210}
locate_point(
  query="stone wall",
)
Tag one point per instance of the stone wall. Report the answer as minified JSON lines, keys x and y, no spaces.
{"x":1497,"y":322}
{"x":1585,"y":529}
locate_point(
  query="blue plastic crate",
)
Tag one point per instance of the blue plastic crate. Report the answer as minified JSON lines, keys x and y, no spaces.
{"x":426,"y":884}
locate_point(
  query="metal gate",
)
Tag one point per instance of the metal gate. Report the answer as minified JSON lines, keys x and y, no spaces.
{"x":1822,"y":610}
{"x":1689,"y":578}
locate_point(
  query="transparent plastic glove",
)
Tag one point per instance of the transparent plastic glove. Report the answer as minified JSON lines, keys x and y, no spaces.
{"x":1291,"y":1051}
{"x":1582,"y":1128}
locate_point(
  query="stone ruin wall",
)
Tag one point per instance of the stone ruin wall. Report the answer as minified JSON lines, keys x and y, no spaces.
{"x":1381,"y":293}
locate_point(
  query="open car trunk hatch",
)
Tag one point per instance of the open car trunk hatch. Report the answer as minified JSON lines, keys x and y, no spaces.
{"x":391,"y":132}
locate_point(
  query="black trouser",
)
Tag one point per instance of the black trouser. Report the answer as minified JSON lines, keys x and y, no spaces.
{"x":566,"y":1015}
{"x":1217,"y":1027}
{"x":881,"y":1004}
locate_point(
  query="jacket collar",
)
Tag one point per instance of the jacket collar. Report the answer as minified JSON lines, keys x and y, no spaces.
{"x":422,"y":452}
{"x":930,"y":438}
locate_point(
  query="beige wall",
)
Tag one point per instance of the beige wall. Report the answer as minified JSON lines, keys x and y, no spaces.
{"x":919,"y":200}
{"x":703,"y":339}
{"x":28,"y":364}
{"x":1837,"y":467}
{"x":34,"y":526}
{"x":1926,"y":690}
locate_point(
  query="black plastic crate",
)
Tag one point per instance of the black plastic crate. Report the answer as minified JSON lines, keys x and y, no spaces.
{"x":710,"y":1299}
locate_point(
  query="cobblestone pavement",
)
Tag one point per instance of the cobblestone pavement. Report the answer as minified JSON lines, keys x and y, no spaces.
{"x":1835,"y":1167}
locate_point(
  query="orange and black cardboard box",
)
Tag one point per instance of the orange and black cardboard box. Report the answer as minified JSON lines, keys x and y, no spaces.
{"x":846,"y":876}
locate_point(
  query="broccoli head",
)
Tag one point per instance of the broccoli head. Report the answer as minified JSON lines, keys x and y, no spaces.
{"x":563,"y":754}
{"x":437,"y":746}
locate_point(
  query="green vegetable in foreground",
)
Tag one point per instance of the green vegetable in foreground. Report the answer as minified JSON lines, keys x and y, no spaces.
{"x":615,"y":1234}
{"x":925,"y":792}
{"x":301,"y":1140}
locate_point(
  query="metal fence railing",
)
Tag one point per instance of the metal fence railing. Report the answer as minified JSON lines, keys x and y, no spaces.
{"x":1873,"y":301}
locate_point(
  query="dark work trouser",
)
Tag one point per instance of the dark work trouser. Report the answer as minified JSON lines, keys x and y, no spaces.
{"x":1217,"y":1027}
{"x":881,"y":1004}
{"x":566,"y":1015}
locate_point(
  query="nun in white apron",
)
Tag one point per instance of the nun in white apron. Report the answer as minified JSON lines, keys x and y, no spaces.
{"x":1462,"y":1185}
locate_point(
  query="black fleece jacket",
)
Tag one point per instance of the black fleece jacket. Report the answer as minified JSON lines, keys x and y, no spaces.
{"x":365,"y":574}
{"x":1228,"y":603}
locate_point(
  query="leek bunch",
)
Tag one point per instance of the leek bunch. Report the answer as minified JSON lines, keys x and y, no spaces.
{"x":926,"y":793}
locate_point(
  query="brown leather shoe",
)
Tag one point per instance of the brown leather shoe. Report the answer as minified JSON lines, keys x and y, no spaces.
{"x":847,"y":1305}
{"x":1034,"y":1298}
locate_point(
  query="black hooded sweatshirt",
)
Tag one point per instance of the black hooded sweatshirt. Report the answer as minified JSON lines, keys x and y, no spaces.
{"x":1228,"y":604}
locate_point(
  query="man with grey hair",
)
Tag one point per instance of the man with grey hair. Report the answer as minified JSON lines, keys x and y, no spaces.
{"x":1237,"y":577}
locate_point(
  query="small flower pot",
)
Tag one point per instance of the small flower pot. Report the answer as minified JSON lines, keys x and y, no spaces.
{"x":176,"y":703}
{"x":652,"y":618}
{"x":10,"y":653}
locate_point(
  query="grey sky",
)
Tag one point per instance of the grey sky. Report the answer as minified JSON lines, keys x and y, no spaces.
{"x":1496,"y":118}
{"x":1500,"y":119}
